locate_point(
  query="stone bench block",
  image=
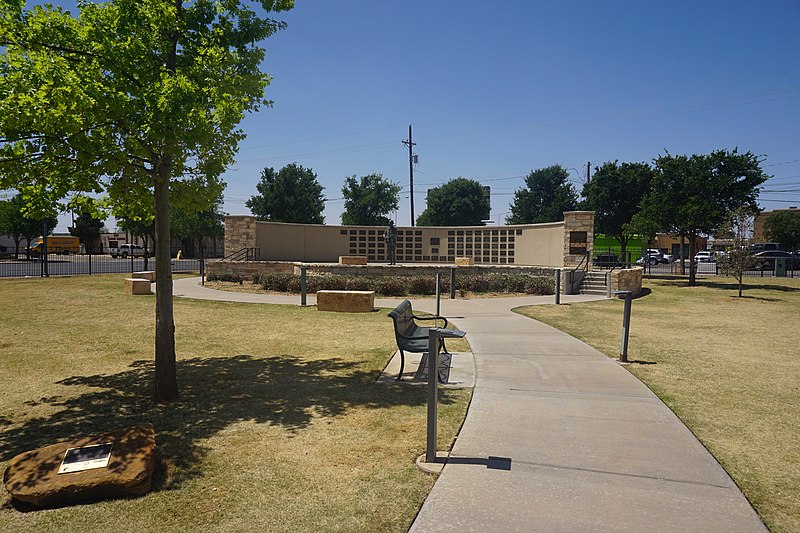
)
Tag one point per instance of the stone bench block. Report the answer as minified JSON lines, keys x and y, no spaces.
{"x":32,"y":477}
{"x":346,"y":301}
{"x":137,"y":286}
{"x":465,"y":261}
{"x":352,"y":260}
{"x":149,"y":275}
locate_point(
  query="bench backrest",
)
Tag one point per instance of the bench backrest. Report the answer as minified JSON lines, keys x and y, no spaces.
{"x":403,"y":317}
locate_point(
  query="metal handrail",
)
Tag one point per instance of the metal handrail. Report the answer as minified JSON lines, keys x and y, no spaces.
{"x":586,"y":267}
{"x":245,"y":254}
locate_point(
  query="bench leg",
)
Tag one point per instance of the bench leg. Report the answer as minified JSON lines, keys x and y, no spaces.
{"x":443,"y":348}
{"x":402,"y":365}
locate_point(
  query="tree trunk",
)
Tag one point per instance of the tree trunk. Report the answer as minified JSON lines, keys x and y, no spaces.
{"x":682,"y":256}
{"x":166,"y":386}
{"x":692,"y":252}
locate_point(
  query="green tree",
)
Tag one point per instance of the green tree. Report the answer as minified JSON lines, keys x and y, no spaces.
{"x":18,"y":226}
{"x":459,"y":202}
{"x":292,"y":194}
{"x":547,"y":195}
{"x":368,"y":201}
{"x":614,"y":194}
{"x":194,"y":227}
{"x":87,"y":229}
{"x":738,"y":257}
{"x":694,"y":195}
{"x":89,"y":224}
{"x":784,"y":227}
{"x":145,"y":93}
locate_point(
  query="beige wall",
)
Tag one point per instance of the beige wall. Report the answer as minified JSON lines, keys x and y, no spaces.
{"x":530,"y":244}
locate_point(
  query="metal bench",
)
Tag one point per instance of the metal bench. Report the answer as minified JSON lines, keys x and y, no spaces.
{"x":411,"y":337}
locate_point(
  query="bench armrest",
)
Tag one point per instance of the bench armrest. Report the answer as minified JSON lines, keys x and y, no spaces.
{"x":416,"y":317}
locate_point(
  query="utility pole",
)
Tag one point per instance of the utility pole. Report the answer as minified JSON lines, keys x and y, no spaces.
{"x":411,"y":171}
{"x":588,"y":171}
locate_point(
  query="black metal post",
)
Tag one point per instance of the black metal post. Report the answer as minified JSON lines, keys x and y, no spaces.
{"x":433,"y":394}
{"x":202,"y":272}
{"x":438,"y":294}
{"x":90,"y":260}
{"x":452,"y":283}
{"x":303,"y":286}
{"x":626,"y":324}
{"x":558,"y":286}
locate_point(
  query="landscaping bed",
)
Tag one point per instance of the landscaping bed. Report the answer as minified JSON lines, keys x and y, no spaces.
{"x":396,"y":286}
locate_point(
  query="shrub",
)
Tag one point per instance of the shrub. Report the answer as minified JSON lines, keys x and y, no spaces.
{"x":225,"y":276}
{"x":422,"y":285}
{"x":275,"y":281}
{"x":540,"y":285}
{"x":391,"y":287}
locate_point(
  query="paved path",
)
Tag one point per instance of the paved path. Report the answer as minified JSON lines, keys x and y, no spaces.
{"x":559,"y":437}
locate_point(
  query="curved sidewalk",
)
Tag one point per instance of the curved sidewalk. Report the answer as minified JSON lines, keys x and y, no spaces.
{"x":559,"y":437}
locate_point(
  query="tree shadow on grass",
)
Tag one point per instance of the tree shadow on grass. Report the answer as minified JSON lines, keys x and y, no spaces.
{"x":285,"y":391}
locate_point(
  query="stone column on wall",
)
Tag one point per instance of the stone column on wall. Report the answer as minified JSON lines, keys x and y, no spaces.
{"x":240,"y":232}
{"x":578,"y":236}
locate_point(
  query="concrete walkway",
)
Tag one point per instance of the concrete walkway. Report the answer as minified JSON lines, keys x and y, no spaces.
{"x":559,"y":437}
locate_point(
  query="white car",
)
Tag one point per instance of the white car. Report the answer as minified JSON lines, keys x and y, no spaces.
{"x":704,"y":256}
{"x":125,"y":250}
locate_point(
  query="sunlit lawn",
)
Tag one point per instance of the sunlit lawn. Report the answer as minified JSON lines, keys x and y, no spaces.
{"x":280,"y":425}
{"x":729,"y":367}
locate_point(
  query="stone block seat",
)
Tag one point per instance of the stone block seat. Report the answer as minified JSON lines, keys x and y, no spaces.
{"x":137,"y":286}
{"x":352,"y":260}
{"x":149,"y":275}
{"x":33,"y":477}
{"x":346,"y":301}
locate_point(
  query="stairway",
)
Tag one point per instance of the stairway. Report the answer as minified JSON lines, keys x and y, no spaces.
{"x":594,"y":282}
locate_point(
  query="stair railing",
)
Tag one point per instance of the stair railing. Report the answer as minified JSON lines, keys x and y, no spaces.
{"x":245,"y":254}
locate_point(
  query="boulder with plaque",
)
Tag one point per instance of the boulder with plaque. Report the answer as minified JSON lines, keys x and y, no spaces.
{"x":110,"y":465}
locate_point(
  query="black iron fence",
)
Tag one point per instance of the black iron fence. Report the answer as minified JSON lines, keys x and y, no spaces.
{"x":86,"y":264}
{"x":607,"y":261}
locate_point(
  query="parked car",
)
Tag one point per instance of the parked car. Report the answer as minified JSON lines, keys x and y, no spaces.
{"x":766,"y":259}
{"x":655,"y":256}
{"x":125,"y":250}
{"x":704,"y":256}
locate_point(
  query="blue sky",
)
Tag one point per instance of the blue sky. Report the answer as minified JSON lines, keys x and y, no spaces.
{"x":496,"y":89}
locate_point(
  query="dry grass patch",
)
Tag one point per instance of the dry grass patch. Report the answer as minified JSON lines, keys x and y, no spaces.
{"x":280,"y":425}
{"x":727,"y":366}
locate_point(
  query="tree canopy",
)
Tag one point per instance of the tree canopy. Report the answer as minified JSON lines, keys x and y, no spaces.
{"x":784,"y":227}
{"x":547,"y":194}
{"x":738,"y":258}
{"x":459,"y":202}
{"x":193,"y":227}
{"x":135,"y":96}
{"x":368,"y":200}
{"x":292,"y":194}
{"x":17,"y":225}
{"x":694,"y":195}
{"x":614,"y":194}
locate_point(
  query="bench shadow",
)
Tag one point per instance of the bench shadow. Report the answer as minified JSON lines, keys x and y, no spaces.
{"x":285,"y":391}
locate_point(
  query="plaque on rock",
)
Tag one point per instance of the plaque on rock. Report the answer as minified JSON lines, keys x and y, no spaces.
{"x":36,"y":476}
{"x":86,"y":458}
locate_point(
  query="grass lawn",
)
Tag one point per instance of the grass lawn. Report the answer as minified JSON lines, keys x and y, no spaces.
{"x":280,"y":425}
{"x":728,"y":367}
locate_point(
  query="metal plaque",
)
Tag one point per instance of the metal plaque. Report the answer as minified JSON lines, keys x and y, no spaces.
{"x":86,"y":458}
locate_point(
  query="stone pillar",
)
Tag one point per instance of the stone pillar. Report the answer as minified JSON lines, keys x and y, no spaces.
{"x":578,"y":236}
{"x":240,"y":232}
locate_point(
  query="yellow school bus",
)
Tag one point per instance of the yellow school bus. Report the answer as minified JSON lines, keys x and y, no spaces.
{"x":56,"y":244}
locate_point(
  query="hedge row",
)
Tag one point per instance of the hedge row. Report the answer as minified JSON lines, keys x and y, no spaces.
{"x":401,"y":286}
